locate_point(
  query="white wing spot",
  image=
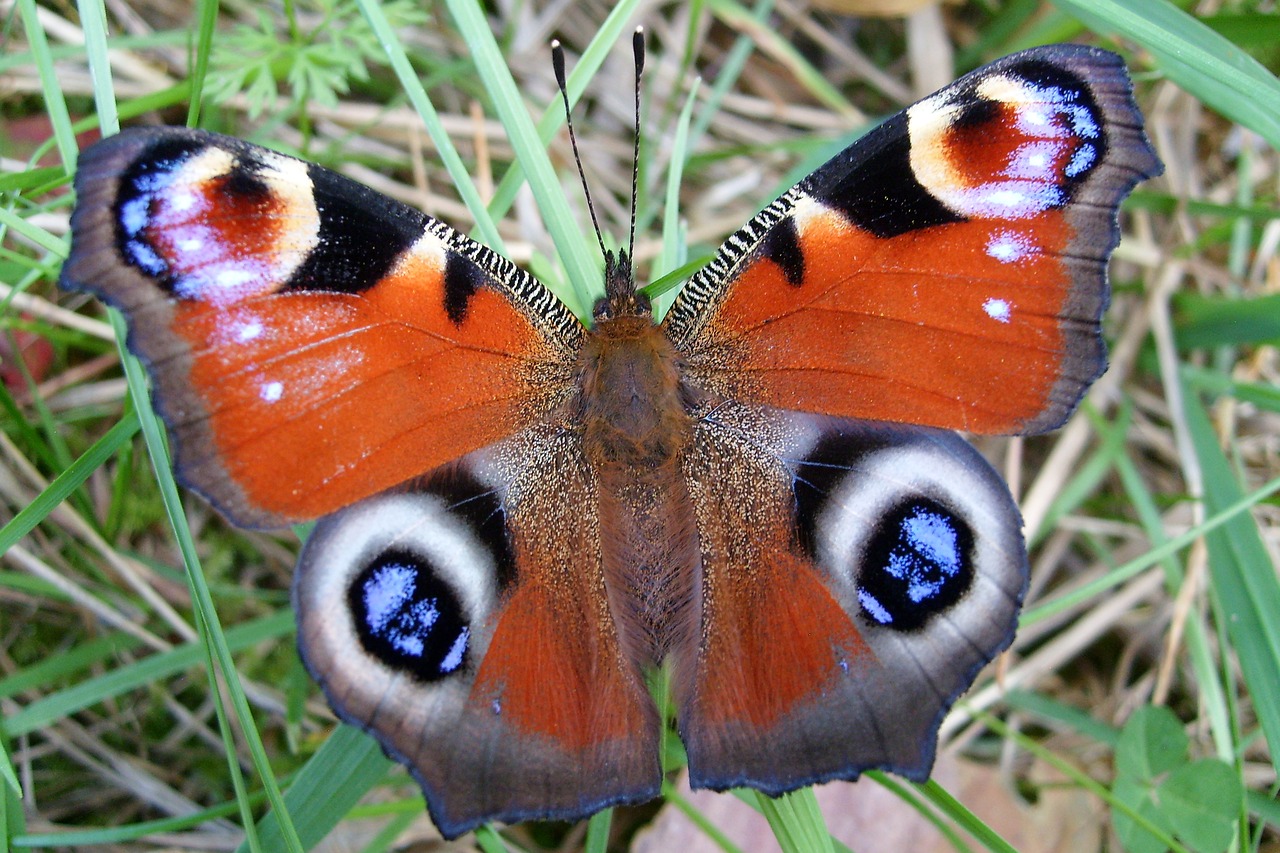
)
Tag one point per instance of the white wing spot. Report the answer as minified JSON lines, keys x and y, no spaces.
{"x":231,"y":278}
{"x":1009,"y":247}
{"x":272,"y":391}
{"x":249,"y":331}
{"x":997,"y":309}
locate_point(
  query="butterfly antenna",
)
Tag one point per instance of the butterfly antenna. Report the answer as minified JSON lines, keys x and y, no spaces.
{"x":557,"y":62}
{"x":637,"y":50}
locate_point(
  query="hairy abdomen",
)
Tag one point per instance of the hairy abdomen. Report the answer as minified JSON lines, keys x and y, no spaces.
{"x":635,"y":431}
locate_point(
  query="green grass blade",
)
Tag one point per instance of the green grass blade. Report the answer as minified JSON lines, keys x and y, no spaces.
{"x":674,"y":247}
{"x":796,"y":821}
{"x":1134,"y":567}
{"x":342,"y":770}
{"x":55,"y":104}
{"x":1244,"y":582}
{"x":1088,"y":474}
{"x":458,"y":172}
{"x":11,"y":816}
{"x":598,"y":831}
{"x":738,"y":17}
{"x":579,"y":256}
{"x":552,"y":120}
{"x":202,"y":50}
{"x":93,"y":17}
{"x":49,"y":709}
{"x":67,"y":482}
{"x":42,"y":238}
{"x":967,"y":820}
{"x":1202,"y":322}
{"x":122,"y":834}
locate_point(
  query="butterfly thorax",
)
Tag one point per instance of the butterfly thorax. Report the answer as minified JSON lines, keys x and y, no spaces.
{"x":631,"y":405}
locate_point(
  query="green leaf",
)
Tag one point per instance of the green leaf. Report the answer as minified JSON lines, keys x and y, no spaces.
{"x":1134,"y":838}
{"x":1197,"y":802}
{"x":1200,"y":802}
{"x":1151,"y":744}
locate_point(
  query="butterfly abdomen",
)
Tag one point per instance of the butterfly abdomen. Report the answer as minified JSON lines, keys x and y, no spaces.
{"x":635,"y":430}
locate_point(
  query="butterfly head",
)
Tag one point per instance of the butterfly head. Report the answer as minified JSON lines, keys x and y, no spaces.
{"x":621,"y":298}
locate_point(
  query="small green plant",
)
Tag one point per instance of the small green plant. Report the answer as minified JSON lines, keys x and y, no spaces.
{"x":316,"y":64}
{"x":1197,"y":802}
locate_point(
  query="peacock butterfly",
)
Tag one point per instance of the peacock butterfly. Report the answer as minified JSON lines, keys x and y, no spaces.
{"x":521,"y":517}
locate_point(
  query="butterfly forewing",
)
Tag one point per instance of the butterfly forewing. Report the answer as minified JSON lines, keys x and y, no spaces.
{"x":307,"y":337}
{"x":948,"y":269}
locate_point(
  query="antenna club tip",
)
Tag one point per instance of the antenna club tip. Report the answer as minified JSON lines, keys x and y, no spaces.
{"x":557,"y":64}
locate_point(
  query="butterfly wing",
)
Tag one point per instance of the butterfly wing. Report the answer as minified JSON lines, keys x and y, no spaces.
{"x":464,"y":622}
{"x":947,"y":269}
{"x":856,"y":576}
{"x":304,"y":334}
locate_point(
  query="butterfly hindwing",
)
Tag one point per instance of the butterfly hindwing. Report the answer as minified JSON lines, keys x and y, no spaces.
{"x":856,"y":576}
{"x":947,"y":269}
{"x":306,"y":335}
{"x":463,"y":621}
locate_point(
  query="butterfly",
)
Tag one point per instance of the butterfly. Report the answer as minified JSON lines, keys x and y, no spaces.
{"x":523,"y":517}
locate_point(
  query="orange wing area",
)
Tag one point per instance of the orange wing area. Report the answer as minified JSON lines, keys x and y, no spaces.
{"x":567,"y":685}
{"x":339,"y":396}
{"x":555,"y":663}
{"x":774,"y":640}
{"x":948,"y":269}
{"x":574,"y":727}
{"x":310,"y":342}
{"x":926,"y":327}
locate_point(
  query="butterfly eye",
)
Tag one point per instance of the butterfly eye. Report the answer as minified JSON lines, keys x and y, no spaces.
{"x":408,"y":616}
{"x":918,"y":562}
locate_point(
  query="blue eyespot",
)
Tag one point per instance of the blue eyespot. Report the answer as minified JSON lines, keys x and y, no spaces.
{"x":137,"y":191}
{"x":919,"y":562}
{"x":408,"y":617}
